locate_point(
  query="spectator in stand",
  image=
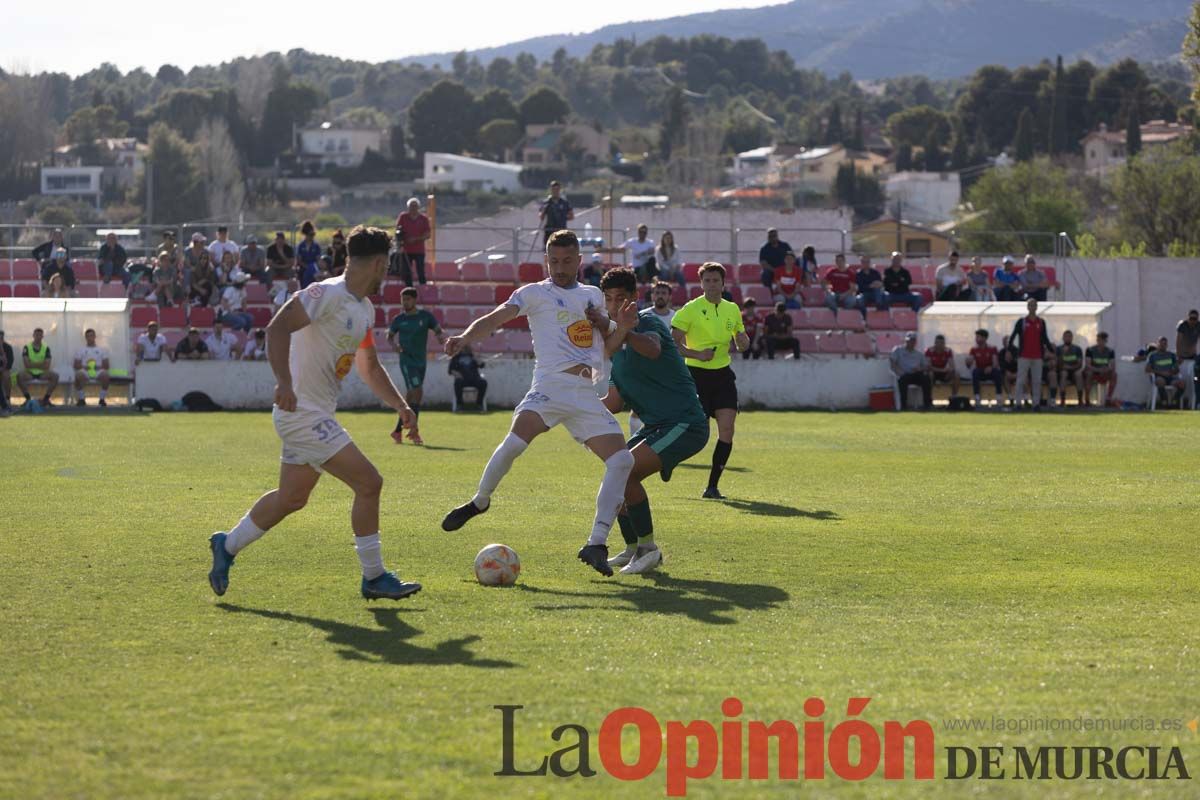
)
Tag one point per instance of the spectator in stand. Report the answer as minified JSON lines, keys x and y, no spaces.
{"x":979,"y":282}
{"x":308,"y":254}
{"x":1101,"y":368}
{"x":45,"y":251}
{"x":1008,"y":282}
{"x":555,"y":211}
{"x":751,"y":323}
{"x":191,"y":260}
{"x":870,"y":286}
{"x":808,"y":266}
{"x":840,"y":286}
{"x":1032,"y":342}
{"x":942,"y":368}
{"x":281,"y":261}
{"x":228,"y":270}
{"x":660,"y":303}
{"x":951,"y":281}
{"x":204,"y":281}
{"x":1163,"y":366}
{"x":778,"y":333}
{"x":337,"y":253}
{"x":253,"y":261}
{"x":669,"y":260}
{"x":984,"y":363}
{"x":896,"y":283}
{"x":171,"y":247}
{"x":167,"y":288}
{"x":256,"y":346}
{"x":466,"y":372}
{"x":55,"y":288}
{"x":1034,"y":283}
{"x":142,"y":288}
{"x":910,"y":367}
{"x":111,"y":259}
{"x":1187,"y":334}
{"x":6,"y":365}
{"x":36,"y":365}
{"x":325,"y":268}
{"x":593,"y":271}
{"x":641,"y":255}
{"x":59,"y":265}
{"x":91,"y":364}
{"x":412,"y":231}
{"x":222,"y":344}
{"x":151,"y":346}
{"x":221,"y":245}
{"x":771,"y":255}
{"x":788,"y":280}
{"x":192,"y":347}
{"x":232,"y":311}
{"x":1069,"y":365}
{"x":1008,"y":363}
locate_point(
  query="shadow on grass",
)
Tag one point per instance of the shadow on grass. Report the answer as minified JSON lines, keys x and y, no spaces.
{"x":386,"y":644}
{"x":443,"y":447}
{"x":774,"y":509}
{"x":711,"y":602}
{"x":707,"y":467}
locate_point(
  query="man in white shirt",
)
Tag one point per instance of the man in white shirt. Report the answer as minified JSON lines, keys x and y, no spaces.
{"x":91,"y":364}
{"x":641,"y":254}
{"x":256,"y":347}
{"x":316,"y":339}
{"x":222,"y":344}
{"x":952,"y":281}
{"x":151,"y":345}
{"x":568,"y":367}
{"x":221,"y":245}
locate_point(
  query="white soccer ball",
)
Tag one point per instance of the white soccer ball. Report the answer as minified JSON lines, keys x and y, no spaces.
{"x":497,"y":565}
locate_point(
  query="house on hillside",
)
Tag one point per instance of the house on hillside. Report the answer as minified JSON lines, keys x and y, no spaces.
{"x":330,"y":145}
{"x":543,"y":144}
{"x":1104,"y":150}
{"x":924,"y":197}
{"x":80,"y":183}
{"x":888,"y":234}
{"x":121,"y":158}
{"x":462,"y":173}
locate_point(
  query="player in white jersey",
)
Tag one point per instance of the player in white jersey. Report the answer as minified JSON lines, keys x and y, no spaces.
{"x":91,"y":364}
{"x":568,"y":366}
{"x":660,"y":304}
{"x":313,"y":342}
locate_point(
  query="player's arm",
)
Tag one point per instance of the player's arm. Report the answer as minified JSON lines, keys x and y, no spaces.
{"x":289,"y":319}
{"x":366,"y":360}
{"x":481,"y":328}
{"x":613,"y":400}
{"x":680,"y":337}
{"x":647,"y":345}
{"x":78,"y":365}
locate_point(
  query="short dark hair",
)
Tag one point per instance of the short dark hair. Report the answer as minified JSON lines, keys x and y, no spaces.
{"x":622,"y":278}
{"x":38,"y":330}
{"x":307,"y":227}
{"x":712,"y":266}
{"x":1194,"y":311}
{"x":939,"y":336}
{"x":1101,"y":335}
{"x":662,"y":284}
{"x":365,"y":242}
{"x":91,"y":331}
{"x":563,"y":238}
{"x":409,"y":291}
{"x":260,"y":332}
{"x":954,"y":253}
{"x":781,"y":307}
{"x":982,"y":332}
{"x":750,"y":301}
{"x":222,"y":229}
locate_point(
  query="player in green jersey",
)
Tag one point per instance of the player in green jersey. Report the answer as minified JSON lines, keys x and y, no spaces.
{"x":409,"y":333}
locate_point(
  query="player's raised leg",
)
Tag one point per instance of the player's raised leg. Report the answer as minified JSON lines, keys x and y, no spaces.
{"x":355,"y":470}
{"x":296,"y":482}
{"x":527,"y":425}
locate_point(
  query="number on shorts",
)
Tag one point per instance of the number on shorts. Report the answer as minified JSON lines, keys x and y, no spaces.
{"x":324,"y":429}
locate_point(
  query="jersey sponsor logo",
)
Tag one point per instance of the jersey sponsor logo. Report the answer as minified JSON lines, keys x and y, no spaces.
{"x":344,"y":364}
{"x":315,"y":291}
{"x":563,"y":317}
{"x":580,"y":333}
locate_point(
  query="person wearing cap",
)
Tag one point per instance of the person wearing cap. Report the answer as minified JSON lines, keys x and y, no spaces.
{"x":253,"y":261}
{"x":59,"y":265}
{"x":111,"y":259}
{"x":45,"y":251}
{"x":221,"y":245}
{"x":233,"y":302}
{"x":151,"y":346}
{"x":6,"y":365}
{"x":1101,"y":368}
{"x":192,"y":347}
{"x":412,"y":231}
{"x":37,"y":363}
{"x":896,"y":282}
{"x":911,"y":368}
{"x":256,"y":346}
{"x":1008,"y":282}
{"x":554,"y":212}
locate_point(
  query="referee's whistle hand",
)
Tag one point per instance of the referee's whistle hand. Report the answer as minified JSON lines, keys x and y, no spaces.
{"x":706,"y":355}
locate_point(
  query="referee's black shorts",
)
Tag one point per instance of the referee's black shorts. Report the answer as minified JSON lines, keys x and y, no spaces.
{"x":717,"y":388}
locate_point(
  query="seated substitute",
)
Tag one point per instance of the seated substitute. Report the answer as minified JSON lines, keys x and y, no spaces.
{"x":36,"y":364}
{"x":1163,"y":365}
{"x":910,"y":367}
{"x":942,"y":368}
{"x":192,"y":347}
{"x":1069,"y":369}
{"x":1101,"y":368}
{"x":91,"y":364}
{"x":466,"y":373}
{"x":984,"y":363}
{"x":778,"y":334}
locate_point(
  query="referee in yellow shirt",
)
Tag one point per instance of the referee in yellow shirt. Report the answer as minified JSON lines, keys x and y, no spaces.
{"x":703,"y":330}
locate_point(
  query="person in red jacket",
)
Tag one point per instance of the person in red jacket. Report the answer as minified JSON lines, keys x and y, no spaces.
{"x":1032,"y":343}
{"x":941,"y":364}
{"x":984,"y":363}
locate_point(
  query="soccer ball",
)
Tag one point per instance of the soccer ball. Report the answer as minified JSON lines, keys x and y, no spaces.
{"x":497,"y":565}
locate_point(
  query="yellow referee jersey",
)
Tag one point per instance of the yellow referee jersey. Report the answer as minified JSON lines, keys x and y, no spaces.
{"x":709,"y":326}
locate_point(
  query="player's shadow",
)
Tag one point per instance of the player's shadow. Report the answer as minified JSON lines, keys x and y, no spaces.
{"x":388,"y":643}
{"x":707,"y":467}
{"x":774,"y":509}
{"x":711,"y":602}
{"x":443,"y":447}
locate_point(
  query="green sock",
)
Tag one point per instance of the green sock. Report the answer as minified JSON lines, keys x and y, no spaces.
{"x":640,"y":515}
{"x":627,"y":532}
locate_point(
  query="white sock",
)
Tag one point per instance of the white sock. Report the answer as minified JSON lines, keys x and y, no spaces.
{"x":245,"y":533}
{"x":611,"y":494}
{"x":369,"y":555}
{"x":635,"y":424}
{"x":497,"y":467}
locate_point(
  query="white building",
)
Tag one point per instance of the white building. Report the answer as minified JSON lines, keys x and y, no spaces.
{"x":340,"y":147}
{"x":1104,"y":150}
{"x":924,"y":197}
{"x":462,"y":173}
{"x":81,"y":183}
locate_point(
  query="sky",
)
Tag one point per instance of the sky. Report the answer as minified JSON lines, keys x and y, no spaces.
{"x":81,"y":34}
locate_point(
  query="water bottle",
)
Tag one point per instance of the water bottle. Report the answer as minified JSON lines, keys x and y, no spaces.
{"x":587,"y":233}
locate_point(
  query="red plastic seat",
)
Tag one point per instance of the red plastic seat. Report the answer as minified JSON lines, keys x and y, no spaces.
{"x":112,"y":290}
{"x":519,"y":342}
{"x":501,"y":272}
{"x":480,"y":293}
{"x":761,"y":294}
{"x":391,"y":293}
{"x":1051,"y":275}
{"x":5,"y":290}
{"x":529,"y":272}
{"x":735,"y":292}
{"x":25,"y":269}
{"x":859,"y":344}
{"x":172,"y":317}
{"x":85,"y":270}
{"x":473,"y":271}
{"x":496,"y":343}
{"x":141,"y":316}
{"x":5,"y":269}
{"x":679,"y":295}
{"x":691,"y":273}
{"x":808,"y":342}
{"x":445,"y":271}
{"x":879,"y":320}
{"x":694,"y":292}
{"x":520,"y":323}
{"x":450,"y":294}
{"x":89,"y":290}
{"x":818,"y":319}
{"x":812,"y":296}
{"x":885,"y":342}
{"x":257,"y":293}
{"x":438,"y":314}
{"x":502,"y":293}
{"x":260,"y":315}
{"x":833,"y":343}
{"x":748,"y":273}
{"x":926,"y":294}
{"x":27,"y":290}
{"x":381,"y":320}
{"x":850,"y":320}
{"x":904,"y":319}
{"x":457,"y":317}
{"x":201,"y":317}
{"x":427,"y":294}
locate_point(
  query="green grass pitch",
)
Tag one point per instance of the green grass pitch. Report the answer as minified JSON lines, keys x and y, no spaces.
{"x":945,"y":566}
